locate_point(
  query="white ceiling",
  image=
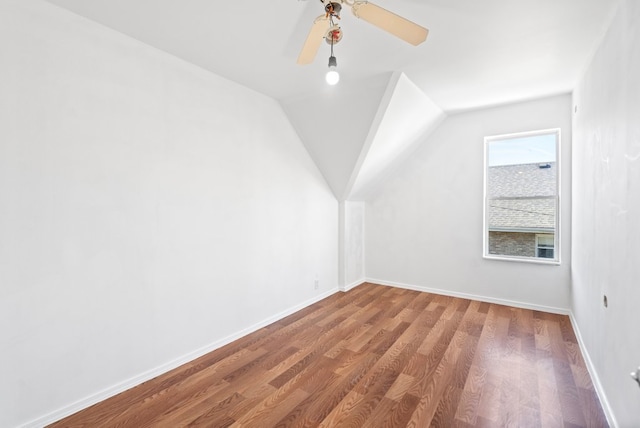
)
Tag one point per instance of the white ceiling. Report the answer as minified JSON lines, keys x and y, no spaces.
{"x":478,"y":52}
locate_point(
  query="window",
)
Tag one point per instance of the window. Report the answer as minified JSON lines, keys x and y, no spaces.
{"x":521,"y":186}
{"x":544,"y":246}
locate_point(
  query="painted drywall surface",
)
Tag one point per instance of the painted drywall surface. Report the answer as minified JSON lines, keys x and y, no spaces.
{"x":353,"y":243}
{"x":606,"y":212}
{"x":424,"y":226}
{"x":148,"y":209}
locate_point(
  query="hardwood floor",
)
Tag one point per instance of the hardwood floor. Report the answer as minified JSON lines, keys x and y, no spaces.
{"x":375,"y":357}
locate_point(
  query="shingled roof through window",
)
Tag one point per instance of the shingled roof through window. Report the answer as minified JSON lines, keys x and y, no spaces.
{"x":522,"y":197}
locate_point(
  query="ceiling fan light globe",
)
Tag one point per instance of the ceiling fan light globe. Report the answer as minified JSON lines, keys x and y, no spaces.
{"x":332,"y":77}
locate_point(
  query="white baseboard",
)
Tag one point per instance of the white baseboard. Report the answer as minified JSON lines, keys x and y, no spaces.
{"x":353,"y":285}
{"x":606,"y":407}
{"x":164,"y":368}
{"x":514,"y":303}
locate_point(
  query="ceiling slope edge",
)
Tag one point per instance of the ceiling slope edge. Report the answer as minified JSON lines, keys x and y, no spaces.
{"x":407,"y":118}
{"x":333,"y":125}
{"x":373,"y":131}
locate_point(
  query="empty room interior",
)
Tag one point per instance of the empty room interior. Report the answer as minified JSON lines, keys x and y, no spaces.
{"x":198,"y":227}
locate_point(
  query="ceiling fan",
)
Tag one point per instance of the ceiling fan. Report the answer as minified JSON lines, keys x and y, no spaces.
{"x":325,"y":28}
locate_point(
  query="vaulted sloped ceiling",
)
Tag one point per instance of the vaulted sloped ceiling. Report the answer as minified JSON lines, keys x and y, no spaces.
{"x":357,"y":135}
{"x":334,"y":126}
{"x":478,"y":53}
{"x":407,"y":117}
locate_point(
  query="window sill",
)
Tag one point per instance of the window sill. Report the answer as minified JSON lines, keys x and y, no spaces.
{"x":533,"y":260}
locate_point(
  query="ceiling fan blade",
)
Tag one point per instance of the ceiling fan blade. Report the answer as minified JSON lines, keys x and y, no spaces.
{"x":398,"y":26}
{"x":314,"y":39}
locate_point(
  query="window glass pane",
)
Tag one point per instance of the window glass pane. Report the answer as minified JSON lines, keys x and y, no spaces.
{"x":521,"y":188}
{"x":545,"y":241}
{"x":545,"y":253}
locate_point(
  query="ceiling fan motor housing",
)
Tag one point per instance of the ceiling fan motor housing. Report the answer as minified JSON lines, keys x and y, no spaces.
{"x":332,"y":8}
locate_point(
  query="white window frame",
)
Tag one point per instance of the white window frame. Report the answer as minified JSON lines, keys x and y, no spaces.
{"x":557,"y":231}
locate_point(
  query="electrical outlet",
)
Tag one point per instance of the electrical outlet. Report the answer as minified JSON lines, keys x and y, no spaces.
{"x":316,"y":284}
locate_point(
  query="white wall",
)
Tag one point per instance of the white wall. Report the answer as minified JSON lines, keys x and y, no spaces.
{"x":149,"y":211}
{"x":424,"y":227}
{"x":606,"y":212}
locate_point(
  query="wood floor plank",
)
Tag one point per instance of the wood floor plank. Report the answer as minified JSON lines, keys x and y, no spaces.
{"x":467,"y":410}
{"x":431,"y":388}
{"x":375,"y":356}
{"x":400,"y":387}
{"x":272,"y":409}
{"x":317,"y":409}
